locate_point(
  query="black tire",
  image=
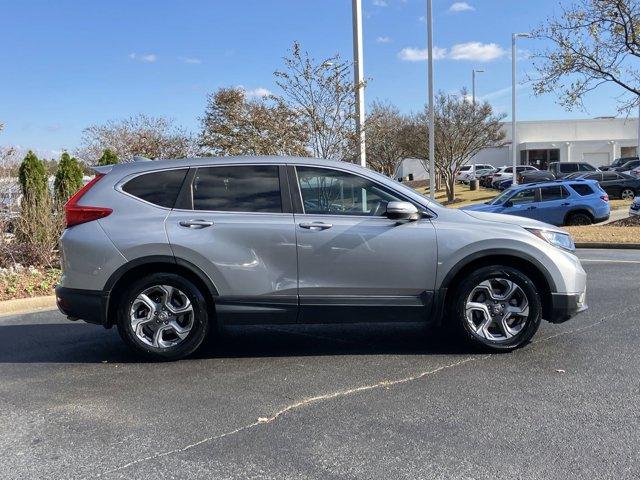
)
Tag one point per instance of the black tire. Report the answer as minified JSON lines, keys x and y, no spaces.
{"x":579,"y":218}
{"x":458,"y":301}
{"x":199,"y":328}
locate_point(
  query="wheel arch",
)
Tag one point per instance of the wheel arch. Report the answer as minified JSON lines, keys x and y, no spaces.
{"x":527,"y":264}
{"x":586,"y":211}
{"x":116,"y":285}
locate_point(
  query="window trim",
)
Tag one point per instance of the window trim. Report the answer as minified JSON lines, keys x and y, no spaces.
{"x":186,"y":193}
{"x":298,"y":205}
{"x":118,"y":187}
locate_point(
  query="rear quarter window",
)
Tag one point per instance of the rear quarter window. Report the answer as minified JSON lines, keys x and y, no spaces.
{"x":160,"y":188}
{"x":582,"y":189}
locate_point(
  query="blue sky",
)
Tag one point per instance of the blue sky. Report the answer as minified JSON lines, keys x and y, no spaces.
{"x":69,"y":64}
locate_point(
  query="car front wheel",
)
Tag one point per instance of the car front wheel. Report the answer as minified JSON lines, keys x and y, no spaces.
{"x":496,"y":308}
{"x":163,"y":317}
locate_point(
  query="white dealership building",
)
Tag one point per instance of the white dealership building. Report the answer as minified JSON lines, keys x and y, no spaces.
{"x":597,"y":141}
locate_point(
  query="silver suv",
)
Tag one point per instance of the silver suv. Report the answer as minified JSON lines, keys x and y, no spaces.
{"x":165,"y":250}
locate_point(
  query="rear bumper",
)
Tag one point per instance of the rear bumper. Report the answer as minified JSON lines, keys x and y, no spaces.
{"x":565,"y":306}
{"x":87,"y":305}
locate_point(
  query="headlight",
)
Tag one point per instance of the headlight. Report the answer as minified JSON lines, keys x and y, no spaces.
{"x":557,"y":239}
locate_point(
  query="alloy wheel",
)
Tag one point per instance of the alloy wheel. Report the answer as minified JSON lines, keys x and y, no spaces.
{"x":627,"y":194}
{"x":497,"y":310}
{"x":161,"y":316}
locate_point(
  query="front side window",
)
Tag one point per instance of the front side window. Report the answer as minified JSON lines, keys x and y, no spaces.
{"x":333,"y":192}
{"x":160,"y":188}
{"x":585,"y":167}
{"x":568,"y":167}
{"x":524,"y":196}
{"x":250,"y":188}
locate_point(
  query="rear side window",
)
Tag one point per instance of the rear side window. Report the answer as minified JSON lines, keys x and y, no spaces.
{"x":159,"y":188}
{"x":582,"y":189}
{"x":585,"y":167}
{"x":568,"y":167}
{"x":242,"y":188}
{"x":557,"y":192}
{"x":608,"y":176}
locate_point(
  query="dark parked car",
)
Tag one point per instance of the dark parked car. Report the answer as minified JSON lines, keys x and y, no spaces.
{"x":535,"y":176}
{"x":616,"y":184}
{"x":618,"y":162}
{"x":562,"y":169}
{"x":627,"y":167}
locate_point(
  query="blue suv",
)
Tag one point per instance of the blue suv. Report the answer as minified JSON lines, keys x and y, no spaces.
{"x":573,"y":202}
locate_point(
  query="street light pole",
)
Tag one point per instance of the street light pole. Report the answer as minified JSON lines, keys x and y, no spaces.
{"x":432,"y":156}
{"x":514,"y":143}
{"x":358,"y":74}
{"x":473,"y":104}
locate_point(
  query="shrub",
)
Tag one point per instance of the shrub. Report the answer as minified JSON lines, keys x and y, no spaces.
{"x":108,"y":158}
{"x":68,"y":178}
{"x":33,"y":176}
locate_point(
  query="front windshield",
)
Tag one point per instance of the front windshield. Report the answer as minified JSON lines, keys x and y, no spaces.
{"x":500,"y":199}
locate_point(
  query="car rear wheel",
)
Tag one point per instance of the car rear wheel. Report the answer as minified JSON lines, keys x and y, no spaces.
{"x":579,"y":218}
{"x":627,"y":194}
{"x":163,"y":317}
{"x":496,"y":308}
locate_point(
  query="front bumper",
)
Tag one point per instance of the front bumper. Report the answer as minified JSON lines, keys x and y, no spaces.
{"x":565,"y":306}
{"x":78,"y":304}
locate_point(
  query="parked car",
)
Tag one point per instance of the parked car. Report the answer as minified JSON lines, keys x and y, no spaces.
{"x":634,"y":209}
{"x":562,"y":169}
{"x":467,"y":176}
{"x":485,"y":179}
{"x":617,"y":185}
{"x":505,"y":173}
{"x":504,"y":184}
{"x":627,"y":167}
{"x":573,"y":202}
{"x":466,"y":171}
{"x":166,"y":250}
{"x":531,"y":176}
{"x":618,"y":162}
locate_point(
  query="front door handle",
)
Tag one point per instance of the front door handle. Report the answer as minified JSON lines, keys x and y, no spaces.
{"x":196,"y":223}
{"x":565,"y":204}
{"x":315,"y":225}
{"x":532,"y":208}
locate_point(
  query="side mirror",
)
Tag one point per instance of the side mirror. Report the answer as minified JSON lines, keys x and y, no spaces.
{"x":402,"y":211}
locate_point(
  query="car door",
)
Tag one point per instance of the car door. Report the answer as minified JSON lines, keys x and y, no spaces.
{"x":523,"y":204}
{"x":235,"y":223}
{"x":353,"y":260}
{"x":610,"y":182}
{"x":553,"y":205}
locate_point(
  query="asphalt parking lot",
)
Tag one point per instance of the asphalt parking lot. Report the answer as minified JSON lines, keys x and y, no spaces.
{"x":358,"y":401}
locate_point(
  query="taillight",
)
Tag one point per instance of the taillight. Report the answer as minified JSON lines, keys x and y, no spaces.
{"x":604,"y":198}
{"x":76,"y":214}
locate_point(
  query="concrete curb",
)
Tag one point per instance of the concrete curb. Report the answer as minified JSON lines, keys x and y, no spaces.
{"x":621,"y":246}
{"x":27,"y":305}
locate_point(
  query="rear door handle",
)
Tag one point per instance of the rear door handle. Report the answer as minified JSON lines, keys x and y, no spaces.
{"x":566,"y":204}
{"x":532,"y":208}
{"x":315,"y":225}
{"x":196,"y":223}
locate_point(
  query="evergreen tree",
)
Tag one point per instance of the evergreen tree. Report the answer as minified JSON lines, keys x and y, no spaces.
{"x":108,"y":157}
{"x":33,"y":177}
{"x":68,"y":178}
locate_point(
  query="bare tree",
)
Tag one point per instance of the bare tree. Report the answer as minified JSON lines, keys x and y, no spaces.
{"x":593,"y":42}
{"x":323,"y":94}
{"x":461,"y":131}
{"x":386,"y":128}
{"x":152,"y":137}
{"x":234,"y":125}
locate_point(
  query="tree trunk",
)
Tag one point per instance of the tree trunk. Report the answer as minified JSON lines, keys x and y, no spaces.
{"x":451,"y":187}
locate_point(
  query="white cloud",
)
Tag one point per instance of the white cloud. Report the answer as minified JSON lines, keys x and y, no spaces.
{"x":460,"y":7}
{"x":477,"y":51}
{"x":145,"y":58}
{"x":410,"y":54}
{"x":191,"y":60}
{"x":380,"y":3}
{"x":259,"y":92}
{"x":383,"y":40}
